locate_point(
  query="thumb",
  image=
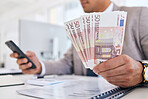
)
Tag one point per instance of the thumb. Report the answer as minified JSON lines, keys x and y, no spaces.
{"x":30,"y":54}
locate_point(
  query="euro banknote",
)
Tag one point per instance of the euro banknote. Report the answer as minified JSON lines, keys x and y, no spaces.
{"x":97,"y":36}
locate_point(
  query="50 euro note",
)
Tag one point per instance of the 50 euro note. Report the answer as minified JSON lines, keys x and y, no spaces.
{"x":74,"y":32}
{"x":88,"y":26}
{"x":121,"y":23}
{"x":84,"y":31}
{"x":109,"y":35}
{"x":90,"y":36}
{"x":81,"y":39}
{"x":97,"y":37}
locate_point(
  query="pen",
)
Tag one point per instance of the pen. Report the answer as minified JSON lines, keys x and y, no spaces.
{"x":38,"y":77}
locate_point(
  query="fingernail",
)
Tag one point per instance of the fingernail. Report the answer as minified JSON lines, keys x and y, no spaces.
{"x":30,"y":64}
{"x":94,"y":70}
{"x":15,"y":55}
{"x":25,"y":60}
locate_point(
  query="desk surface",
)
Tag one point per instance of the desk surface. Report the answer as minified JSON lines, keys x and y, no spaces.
{"x":10,"y":92}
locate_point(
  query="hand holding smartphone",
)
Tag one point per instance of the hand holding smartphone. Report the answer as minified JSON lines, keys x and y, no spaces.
{"x":16,"y":49}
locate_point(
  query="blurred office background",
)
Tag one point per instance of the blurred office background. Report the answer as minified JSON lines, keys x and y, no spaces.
{"x":38,"y":25}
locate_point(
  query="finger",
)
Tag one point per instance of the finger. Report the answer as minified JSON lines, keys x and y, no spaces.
{"x":122,"y":84}
{"x":14,"y":55}
{"x":26,"y":72}
{"x":29,"y":71}
{"x":21,"y":61}
{"x":111,"y":63}
{"x":113,"y":72}
{"x":25,"y":66}
{"x":30,"y":54}
{"x":119,"y":78}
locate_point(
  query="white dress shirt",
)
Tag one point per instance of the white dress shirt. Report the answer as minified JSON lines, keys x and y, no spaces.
{"x":110,"y":8}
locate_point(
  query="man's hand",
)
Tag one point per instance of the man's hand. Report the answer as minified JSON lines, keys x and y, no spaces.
{"x":121,"y":71}
{"x":23,"y":65}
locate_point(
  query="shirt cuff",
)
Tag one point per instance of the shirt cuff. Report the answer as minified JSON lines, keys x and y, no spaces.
{"x":43,"y":70}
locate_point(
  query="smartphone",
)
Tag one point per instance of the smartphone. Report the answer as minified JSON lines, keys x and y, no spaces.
{"x":16,"y":49}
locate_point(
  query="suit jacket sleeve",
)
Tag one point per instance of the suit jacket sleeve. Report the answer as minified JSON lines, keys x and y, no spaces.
{"x":62,"y":66}
{"x":144,"y":31}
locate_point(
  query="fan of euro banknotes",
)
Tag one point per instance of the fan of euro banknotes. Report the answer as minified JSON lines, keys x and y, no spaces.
{"x":97,"y":37}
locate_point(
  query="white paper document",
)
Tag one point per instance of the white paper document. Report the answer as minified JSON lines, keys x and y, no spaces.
{"x":78,"y":88}
{"x":9,"y":80}
{"x":51,"y":80}
{"x":4,"y":71}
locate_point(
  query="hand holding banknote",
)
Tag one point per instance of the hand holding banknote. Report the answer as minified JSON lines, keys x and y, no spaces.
{"x":98,"y":39}
{"x":122,"y":71}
